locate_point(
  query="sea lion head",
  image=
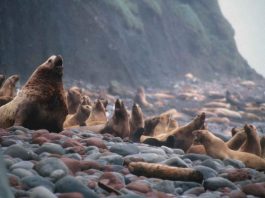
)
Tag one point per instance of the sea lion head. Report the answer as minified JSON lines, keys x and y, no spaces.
{"x":85,"y":110}
{"x":12,"y":80}
{"x":136,"y":110}
{"x":249,"y":129}
{"x":52,"y":68}
{"x":120,"y":110}
{"x":151,"y":123}
{"x":199,"y":121}
{"x":200,"y":136}
{"x":98,"y":106}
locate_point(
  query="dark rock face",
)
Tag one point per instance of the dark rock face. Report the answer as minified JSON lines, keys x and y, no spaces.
{"x":132,"y":41}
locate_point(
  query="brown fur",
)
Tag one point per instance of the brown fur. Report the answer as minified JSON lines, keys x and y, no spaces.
{"x":97,"y":115}
{"x":8,"y":88}
{"x":41,"y":103}
{"x":119,"y":124}
{"x":79,"y":118}
{"x":73,"y":96}
{"x":140,"y":98}
{"x":216,"y":148}
{"x":262,"y":144}
{"x":252,"y":143}
{"x":198,"y":149}
{"x":2,"y":79}
{"x":4,"y":100}
{"x":164,"y":171}
{"x":136,"y":118}
{"x":150,"y":124}
{"x":183,"y":135}
{"x":238,"y":138}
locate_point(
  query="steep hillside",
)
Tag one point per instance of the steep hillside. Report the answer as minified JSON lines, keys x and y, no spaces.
{"x":132,"y":41}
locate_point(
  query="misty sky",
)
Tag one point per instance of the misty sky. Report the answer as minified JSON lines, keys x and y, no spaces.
{"x":248,"y":19}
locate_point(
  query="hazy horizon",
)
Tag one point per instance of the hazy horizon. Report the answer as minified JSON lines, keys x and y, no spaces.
{"x":247,"y":18}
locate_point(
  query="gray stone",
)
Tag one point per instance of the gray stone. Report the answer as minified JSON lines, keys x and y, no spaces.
{"x":34,"y":181}
{"x":46,"y":166}
{"x":58,"y":174}
{"x":215,"y":183}
{"x":186,"y":185}
{"x":70,"y":184}
{"x":112,"y":159}
{"x":4,"y":186}
{"x":165,"y":186}
{"x":206,"y":171}
{"x":234,"y":163}
{"x":19,"y":152}
{"x":41,"y":192}
{"x":214,"y":164}
{"x":147,"y":157}
{"x":194,"y":157}
{"x":175,"y":161}
{"x":21,"y":173}
{"x":124,"y":149}
{"x":51,"y":148}
{"x":22,"y":164}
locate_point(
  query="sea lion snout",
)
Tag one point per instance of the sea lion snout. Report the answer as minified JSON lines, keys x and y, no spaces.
{"x":58,"y":61}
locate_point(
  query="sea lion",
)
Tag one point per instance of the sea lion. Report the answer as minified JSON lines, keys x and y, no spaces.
{"x":216,"y":148}
{"x":79,"y":118}
{"x":2,"y":79}
{"x":238,"y":138}
{"x":150,"y":124}
{"x":41,"y":103}
{"x":4,"y":100}
{"x":73,"y":96}
{"x":183,"y":135}
{"x":97,"y":115}
{"x":262,"y":144}
{"x":136,"y":118}
{"x":8,"y":88}
{"x":252,"y":143}
{"x":119,"y":124}
{"x":140,"y":98}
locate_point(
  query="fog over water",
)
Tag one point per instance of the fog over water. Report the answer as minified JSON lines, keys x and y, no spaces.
{"x":248,"y":20}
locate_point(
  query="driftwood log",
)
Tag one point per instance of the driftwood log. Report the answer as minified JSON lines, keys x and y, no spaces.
{"x":165,"y":172}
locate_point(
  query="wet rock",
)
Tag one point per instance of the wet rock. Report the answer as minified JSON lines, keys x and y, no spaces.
{"x":46,"y":166}
{"x":194,"y":157}
{"x":14,"y":180}
{"x":213,"y":163}
{"x":112,"y":159}
{"x":234,"y":163}
{"x":236,"y":175}
{"x":4,"y":186}
{"x":194,"y":191}
{"x":41,"y":192}
{"x":206,"y":171}
{"x":34,"y":181}
{"x":115,"y":180}
{"x":70,"y":195}
{"x":257,"y":189}
{"x":139,"y":187}
{"x":124,"y":149}
{"x":21,"y":173}
{"x":215,"y":183}
{"x":175,"y":161}
{"x":22,"y":164}
{"x":57,"y":174}
{"x":18,"y":151}
{"x":51,"y":148}
{"x":93,"y":141}
{"x":70,"y":184}
{"x":165,"y":186}
{"x":147,"y":157}
{"x":178,"y":151}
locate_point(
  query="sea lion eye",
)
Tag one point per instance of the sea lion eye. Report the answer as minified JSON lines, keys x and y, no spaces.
{"x":49,"y":61}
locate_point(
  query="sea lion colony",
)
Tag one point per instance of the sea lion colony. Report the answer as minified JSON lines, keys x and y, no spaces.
{"x":43,"y":103}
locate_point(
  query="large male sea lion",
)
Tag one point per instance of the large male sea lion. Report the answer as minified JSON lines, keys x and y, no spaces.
{"x":216,"y":148}
{"x":2,"y":79}
{"x":8,"y":88}
{"x":41,"y":103}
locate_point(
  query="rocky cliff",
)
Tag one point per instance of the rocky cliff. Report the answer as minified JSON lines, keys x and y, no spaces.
{"x":143,"y":42}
